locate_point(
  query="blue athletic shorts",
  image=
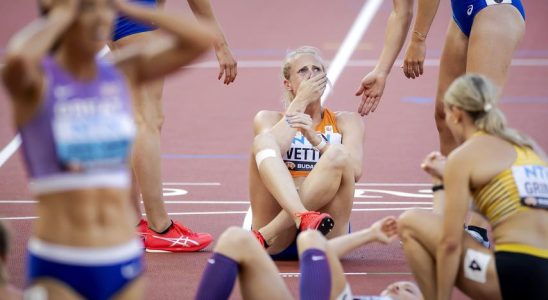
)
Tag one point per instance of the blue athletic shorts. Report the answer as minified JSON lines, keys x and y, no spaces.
{"x":124,"y":26}
{"x":464,"y":11}
{"x":92,"y":273}
{"x":291,"y":252}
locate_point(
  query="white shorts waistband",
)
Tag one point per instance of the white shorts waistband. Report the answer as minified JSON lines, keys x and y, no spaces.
{"x":83,"y":255}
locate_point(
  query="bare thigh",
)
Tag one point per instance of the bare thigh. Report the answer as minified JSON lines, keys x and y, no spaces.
{"x":53,"y":289}
{"x":331,"y":182}
{"x":56,"y":289}
{"x":265,"y":208}
{"x":258,"y":275}
{"x":452,"y":61}
{"x":495,"y":35}
{"x":147,"y":98}
{"x":427,"y":228}
{"x":134,"y":290}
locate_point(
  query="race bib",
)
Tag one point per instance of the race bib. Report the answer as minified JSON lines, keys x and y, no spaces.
{"x":92,"y":134}
{"x":532,"y":184}
{"x":302,"y":156}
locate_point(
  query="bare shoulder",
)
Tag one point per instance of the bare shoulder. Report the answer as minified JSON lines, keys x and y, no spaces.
{"x":266,"y":119}
{"x":346,"y":119}
{"x":481,"y":151}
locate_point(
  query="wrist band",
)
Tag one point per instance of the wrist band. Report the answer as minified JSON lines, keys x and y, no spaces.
{"x":437,"y":187}
{"x":421,"y":36}
{"x":321,"y":145}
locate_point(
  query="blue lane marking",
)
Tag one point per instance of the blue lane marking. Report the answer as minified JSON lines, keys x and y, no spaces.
{"x":533,"y":53}
{"x":206,"y":156}
{"x":419,"y":100}
{"x":509,"y":99}
{"x":528,"y":99}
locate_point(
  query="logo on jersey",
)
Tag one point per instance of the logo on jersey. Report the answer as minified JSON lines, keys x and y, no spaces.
{"x":290,"y":165}
{"x":470,"y":9}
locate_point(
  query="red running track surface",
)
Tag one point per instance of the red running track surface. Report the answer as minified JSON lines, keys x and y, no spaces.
{"x":207,"y":133}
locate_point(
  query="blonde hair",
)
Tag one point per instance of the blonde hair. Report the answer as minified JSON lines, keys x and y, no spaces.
{"x":478,"y":96}
{"x":286,"y":67}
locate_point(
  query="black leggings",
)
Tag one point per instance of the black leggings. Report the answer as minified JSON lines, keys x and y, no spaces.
{"x":522,"y":276}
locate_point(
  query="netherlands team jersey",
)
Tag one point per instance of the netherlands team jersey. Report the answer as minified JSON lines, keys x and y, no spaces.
{"x":301,"y":157}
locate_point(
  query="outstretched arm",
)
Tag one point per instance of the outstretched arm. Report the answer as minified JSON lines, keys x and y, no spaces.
{"x":413,"y":63}
{"x":22,"y":73}
{"x":372,"y":85}
{"x":186,"y":40}
{"x":227,"y":64}
{"x":384,"y":231}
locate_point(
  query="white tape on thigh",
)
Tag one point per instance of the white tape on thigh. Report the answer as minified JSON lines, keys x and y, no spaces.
{"x":264,"y":154}
{"x":475,"y":265}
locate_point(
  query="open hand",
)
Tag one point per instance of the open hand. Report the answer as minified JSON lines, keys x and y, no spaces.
{"x":413,"y":62}
{"x":312,"y":89}
{"x":371,"y":89}
{"x":227,"y":65}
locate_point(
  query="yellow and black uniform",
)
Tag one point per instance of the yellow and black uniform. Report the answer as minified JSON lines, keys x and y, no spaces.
{"x":302,"y":156}
{"x":522,"y":269}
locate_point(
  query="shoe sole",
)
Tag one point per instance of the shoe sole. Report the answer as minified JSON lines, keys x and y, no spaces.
{"x":175,"y":250}
{"x":326,"y":225}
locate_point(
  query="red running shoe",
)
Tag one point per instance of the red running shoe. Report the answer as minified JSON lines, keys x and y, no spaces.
{"x":178,"y":238}
{"x":142,"y":227}
{"x":260,"y":238}
{"x":317,"y":221}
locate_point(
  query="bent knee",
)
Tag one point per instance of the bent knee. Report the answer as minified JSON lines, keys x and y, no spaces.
{"x":265,"y":140}
{"x":408,"y":222}
{"x":310,"y":239}
{"x":439,"y":114}
{"x":337,"y":156}
{"x":234,"y":237}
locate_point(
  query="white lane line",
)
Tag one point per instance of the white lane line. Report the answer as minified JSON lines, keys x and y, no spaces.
{"x":290,"y":275}
{"x":367,"y":13}
{"x":238,"y":212}
{"x":10,"y":149}
{"x":390,"y":209}
{"x":431,"y":62}
{"x":18,"y":218}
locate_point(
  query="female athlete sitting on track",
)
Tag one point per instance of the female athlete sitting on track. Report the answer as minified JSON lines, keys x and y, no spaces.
{"x":506,"y":175}
{"x":322,"y":275}
{"x":73,"y":112}
{"x":305,"y":160}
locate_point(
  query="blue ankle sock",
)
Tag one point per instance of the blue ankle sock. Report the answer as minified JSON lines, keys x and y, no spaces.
{"x":218,"y":278}
{"x":315,"y":275}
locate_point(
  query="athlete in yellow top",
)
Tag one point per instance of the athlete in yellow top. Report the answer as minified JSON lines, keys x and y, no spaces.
{"x":305,"y":160}
{"x":502,"y":174}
